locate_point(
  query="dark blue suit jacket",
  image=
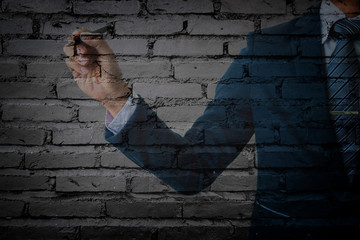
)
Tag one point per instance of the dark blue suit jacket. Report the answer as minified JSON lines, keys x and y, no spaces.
{"x":277,"y":89}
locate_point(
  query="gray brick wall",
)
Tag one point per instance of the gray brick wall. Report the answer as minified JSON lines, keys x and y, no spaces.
{"x":59,"y":178}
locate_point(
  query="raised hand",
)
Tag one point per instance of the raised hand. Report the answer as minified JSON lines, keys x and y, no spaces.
{"x":95,"y":70}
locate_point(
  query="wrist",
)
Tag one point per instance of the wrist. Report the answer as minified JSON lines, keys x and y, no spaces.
{"x":114,"y":106}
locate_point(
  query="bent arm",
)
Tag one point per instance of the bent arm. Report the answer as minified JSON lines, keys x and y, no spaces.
{"x":191,"y":163}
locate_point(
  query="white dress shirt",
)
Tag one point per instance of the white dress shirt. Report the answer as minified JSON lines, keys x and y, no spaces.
{"x":329,"y":14}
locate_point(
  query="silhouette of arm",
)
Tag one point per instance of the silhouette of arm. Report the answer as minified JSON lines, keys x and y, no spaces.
{"x":191,"y":163}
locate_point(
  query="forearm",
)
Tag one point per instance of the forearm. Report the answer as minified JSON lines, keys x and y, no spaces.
{"x":188,"y":164}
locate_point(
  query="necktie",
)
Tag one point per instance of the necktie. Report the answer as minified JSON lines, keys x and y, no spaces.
{"x":343,"y":80}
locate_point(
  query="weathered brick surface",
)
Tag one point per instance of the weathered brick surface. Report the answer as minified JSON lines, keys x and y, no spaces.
{"x":187,"y":47}
{"x":10,"y":160}
{"x":150,"y":26}
{"x":67,"y":88}
{"x":38,"y":232}
{"x":65,"y":26}
{"x":48,"y":70}
{"x":91,"y":184}
{"x":65,"y":208}
{"x":22,"y":136}
{"x":188,"y":90}
{"x":143,"y":209}
{"x":146,"y":69}
{"x":106,"y":7}
{"x":173,"y":6}
{"x":11,"y":208}
{"x":24,"y":183}
{"x":92,"y":134}
{"x":115,"y":160}
{"x":255,"y":6}
{"x":26,"y":90}
{"x":34,"y":47}
{"x":210,"y":26}
{"x":37,"y":112}
{"x":59,"y":160}
{"x":39,"y":6}
{"x":134,"y":46}
{"x":91,"y":113}
{"x":218,"y":210}
{"x":234,"y":181}
{"x":206,"y":70}
{"x":148,"y":184}
{"x":9,"y":69}
{"x":16,"y":26}
{"x":59,"y":178}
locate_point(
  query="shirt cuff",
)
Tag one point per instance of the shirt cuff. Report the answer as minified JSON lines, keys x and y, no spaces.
{"x":115,"y":125}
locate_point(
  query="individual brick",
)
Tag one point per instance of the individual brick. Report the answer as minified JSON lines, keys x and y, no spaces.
{"x":218,"y":210}
{"x":67,"y":88}
{"x":35,"y":47}
{"x":202,"y":231}
{"x":26,"y":90}
{"x":10,"y":208}
{"x":188,"y":47}
{"x":106,"y":7}
{"x":38,"y":112}
{"x":148,"y":184}
{"x":205,"y":25}
{"x":210,"y":90}
{"x":17,"y":25}
{"x":235,"y":181}
{"x":65,"y":208}
{"x":254,"y":7}
{"x":39,"y":6}
{"x":172,"y":90}
{"x":9,"y":69}
{"x":121,"y":231}
{"x":48,"y":70}
{"x":95,"y":113}
{"x":157,"y":25}
{"x":10,"y":159}
{"x":91,"y":184}
{"x":24,"y":183}
{"x":81,"y":135}
{"x":129,"y":46}
{"x":54,"y":160}
{"x":116,"y":159}
{"x":303,"y":6}
{"x":207,"y":70}
{"x":122,"y":209}
{"x":21,"y":136}
{"x":235,"y":47}
{"x":180,"y":6}
{"x":180,"y":114}
{"x":145,"y":69}
{"x":65,"y":26}
{"x":49,"y":231}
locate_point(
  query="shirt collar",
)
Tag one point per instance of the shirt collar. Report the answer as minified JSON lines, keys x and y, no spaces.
{"x":329,"y":14}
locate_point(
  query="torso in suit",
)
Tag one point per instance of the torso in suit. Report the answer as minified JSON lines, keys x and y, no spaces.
{"x":277,"y":89}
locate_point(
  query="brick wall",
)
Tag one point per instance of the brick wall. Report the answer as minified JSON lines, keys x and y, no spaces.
{"x":59,"y":179}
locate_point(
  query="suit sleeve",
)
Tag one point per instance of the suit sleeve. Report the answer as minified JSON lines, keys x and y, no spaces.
{"x":191,"y":163}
